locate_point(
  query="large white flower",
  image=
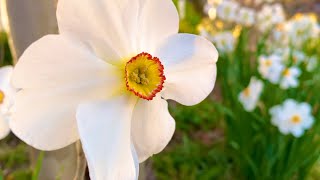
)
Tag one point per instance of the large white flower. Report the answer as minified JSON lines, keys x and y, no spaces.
{"x":290,"y":77}
{"x":292,"y":117}
{"x":7,"y":94}
{"x":271,"y":67}
{"x":94,"y":82}
{"x":249,"y":97}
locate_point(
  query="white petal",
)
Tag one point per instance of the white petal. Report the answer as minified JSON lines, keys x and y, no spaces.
{"x":152,"y":127}
{"x":105,"y":135}
{"x":55,"y":61}
{"x":158,"y":20}
{"x":297,"y":132}
{"x":5,"y":76}
{"x":6,"y":87}
{"x":101,"y":24}
{"x":190,"y":68}
{"x":45,"y":118}
{"x":4,"y":127}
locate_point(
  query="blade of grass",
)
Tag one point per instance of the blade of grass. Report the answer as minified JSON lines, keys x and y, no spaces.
{"x":37,"y":169}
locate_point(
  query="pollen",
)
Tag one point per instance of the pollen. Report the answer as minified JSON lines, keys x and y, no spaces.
{"x":1,"y":96}
{"x":144,"y":76}
{"x":296,"y":119}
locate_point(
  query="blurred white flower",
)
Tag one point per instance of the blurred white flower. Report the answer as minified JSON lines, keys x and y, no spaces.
{"x":249,"y":97}
{"x":291,"y":56}
{"x":290,"y":78}
{"x":312,"y":63}
{"x":227,"y":10}
{"x":7,"y":95}
{"x":105,"y":80}
{"x":280,"y":38}
{"x":258,"y":2}
{"x":224,"y":41}
{"x":204,"y":33}
{"x":269,"y":16}
{"x":302,"y":27}
{"x":298,"y":57}
{"x":246,"y":16}
{"x":271,"y":67}
{"x":292,"y":117}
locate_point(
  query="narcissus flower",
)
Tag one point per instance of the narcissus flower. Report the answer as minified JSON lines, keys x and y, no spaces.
{"x":105,"y":80}
{"x":227,"y":10}
{"x":290,"y":77}
{"x":7,"y":94}
{"x":225,"y":41}
{"x":249,"y":97}
{"x":246,"y":16}
{"x":292,"y":117}
{"x":270,"y":67}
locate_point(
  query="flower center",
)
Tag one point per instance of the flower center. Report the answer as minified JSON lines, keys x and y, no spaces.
{"x":268,"y":62}
{"x":1,"y":96}
{"x":144,"y":76}
{"x":247,"y":92}
{"x":296,"y":119}
{"x":286,"y":72}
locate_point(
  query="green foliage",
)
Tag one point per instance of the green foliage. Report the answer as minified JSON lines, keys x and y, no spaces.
{"x":5,"y":54}
{"x":197,"y":151}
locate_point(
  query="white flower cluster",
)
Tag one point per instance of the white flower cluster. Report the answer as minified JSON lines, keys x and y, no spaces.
{"x":296,"y":31}
{"x":291,"y":117}
{"x":273,"y":69}
{"x":231,"y":11}
{"x":269,"y":16}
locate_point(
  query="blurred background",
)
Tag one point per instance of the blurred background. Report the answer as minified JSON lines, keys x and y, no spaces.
{"x":233,"y":134}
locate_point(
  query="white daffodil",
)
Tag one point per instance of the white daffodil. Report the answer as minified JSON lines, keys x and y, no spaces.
{"x":249,"y":97}
{"x":269,"y":16}
{"x":271,"y":67}
{"x":227,"y":10}
{"x":246,"y":16}
{"x":225,"y":41}
{"x":303,"y":27}
{"x":292,"y":117}
{"x":290,"y":78}
{"x":7,"y":94}
{"x":105,"y":80}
